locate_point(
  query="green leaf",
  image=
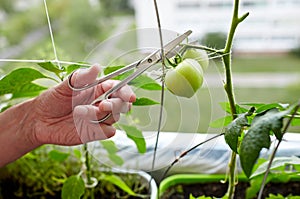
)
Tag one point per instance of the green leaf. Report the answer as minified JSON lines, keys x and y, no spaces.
{"x":260,"y":107}
{"x":144,"y":102}
{"x":277,"y":162}
{"x":137,"y":136}
{"x":19,"y":81}
{"x":200,"y":197}
{"x":49,"y":66}
{"x":142,"y":81}
{"x":111,"y":69}
{"x":258,"y":137}
{"x":221,"y":122}
{"x":296,"y":121}
{"x":73,"y":188}
{"x":234,"y":129}
{"x":278,"y":196}
{"x":225,"y":106}
{"x":28,"y":90}
{"x":58,"y":155}
{"x":255,"y":184}
{"x":118,"y":160}
{"x":116,"y":180}
{"x":112,"y":150}
{"x":145,"y":82}
{"x":72,"y":67}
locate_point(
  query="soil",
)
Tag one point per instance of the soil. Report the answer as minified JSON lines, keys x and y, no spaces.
{"x":14,"y":190}
{"x":218,"y":190}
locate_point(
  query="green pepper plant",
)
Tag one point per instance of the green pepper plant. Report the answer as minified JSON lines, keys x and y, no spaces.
{"x":19,"y":85}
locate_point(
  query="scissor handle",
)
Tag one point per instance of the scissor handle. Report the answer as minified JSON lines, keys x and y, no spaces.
{"x":102,"y":79}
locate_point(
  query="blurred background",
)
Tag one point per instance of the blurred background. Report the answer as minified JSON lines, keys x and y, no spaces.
{"x":266,"y":53}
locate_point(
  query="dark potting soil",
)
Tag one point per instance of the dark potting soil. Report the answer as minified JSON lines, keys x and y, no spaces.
{"x":218,"y":190}
{"x":11,"y":190}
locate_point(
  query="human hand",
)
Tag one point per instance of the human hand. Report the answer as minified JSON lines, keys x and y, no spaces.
{"x":64,"y":116}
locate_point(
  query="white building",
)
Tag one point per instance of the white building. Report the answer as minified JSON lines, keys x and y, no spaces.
{"x":272,"y":26}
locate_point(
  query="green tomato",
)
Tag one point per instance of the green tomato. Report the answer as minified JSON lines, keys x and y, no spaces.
{"x":185,"y":79}
{"x":199,"y":55}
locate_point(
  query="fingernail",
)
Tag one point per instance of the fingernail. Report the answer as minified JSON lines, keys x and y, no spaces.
{"x":106,"y":106}
{"x":132,"y":98}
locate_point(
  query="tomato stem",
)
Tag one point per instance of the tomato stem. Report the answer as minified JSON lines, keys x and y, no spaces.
{"x":228,"y":86}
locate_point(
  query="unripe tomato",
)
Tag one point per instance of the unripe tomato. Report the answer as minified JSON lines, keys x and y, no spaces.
{"x":185,"y":79}
{"x":199,"y":55}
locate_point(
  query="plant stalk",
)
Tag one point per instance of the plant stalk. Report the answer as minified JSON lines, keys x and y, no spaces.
{"x":228,"y":86}
{"x":87,"y":163}
{"x":275,"y":150}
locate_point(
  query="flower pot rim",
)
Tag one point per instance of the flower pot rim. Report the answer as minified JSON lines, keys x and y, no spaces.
{"x":188,"y":178}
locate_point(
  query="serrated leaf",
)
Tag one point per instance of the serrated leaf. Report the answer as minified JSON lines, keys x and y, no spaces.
{"x":221,"y":122}
{"x":49,"y":66}
{"x":234,"y":129}
{"x":258,"y":137}
{"x":143,"y":101}
{"x":116,"y":180}
{"x":16,"y":81}
{"x":73,"y":188}
{"x":277,"y":162}
{"x":137,"y":136}
{"x":112,"y":150}
{"x":58,"y":155}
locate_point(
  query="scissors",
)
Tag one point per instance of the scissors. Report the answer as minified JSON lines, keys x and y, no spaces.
{"x":140,"y":66}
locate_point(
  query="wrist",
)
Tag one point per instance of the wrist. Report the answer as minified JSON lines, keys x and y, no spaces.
{"x":17,"y":135}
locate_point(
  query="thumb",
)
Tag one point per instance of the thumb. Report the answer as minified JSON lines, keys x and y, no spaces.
{"x":79,"y":78}
{"x":85,"y":76}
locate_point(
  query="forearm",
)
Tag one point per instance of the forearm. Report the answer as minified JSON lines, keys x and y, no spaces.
{"x":16,"y":132}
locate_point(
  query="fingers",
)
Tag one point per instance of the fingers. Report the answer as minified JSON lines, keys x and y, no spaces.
{"x":115,"y":105}
{"x":82,"y":77}
{"x":91,"y":113}
{"x":88,"y":131}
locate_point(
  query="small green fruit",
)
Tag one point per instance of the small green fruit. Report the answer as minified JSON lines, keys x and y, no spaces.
{"x":199,"y":55}
{"x":185,"y":79}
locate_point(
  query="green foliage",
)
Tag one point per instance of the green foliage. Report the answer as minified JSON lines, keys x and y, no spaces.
{"x":137,"y":136}
{"x":73,"y":188}
{"x":40,"y":172}
{"x":112,"y":150}
{"x":144,"y":102}
{"x":234,"y":130}
{"x":200,"y":197}
{"x":279,"y":163}
{"x":279,"y":196}
{"x":116,"y":180}
{"x":258,"y":136}
{"x":142,"y":81}
{"x":20,"y":83}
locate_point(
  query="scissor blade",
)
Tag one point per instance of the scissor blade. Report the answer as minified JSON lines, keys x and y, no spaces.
{"x":172,"y":44}
{"x":155,"y":57}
